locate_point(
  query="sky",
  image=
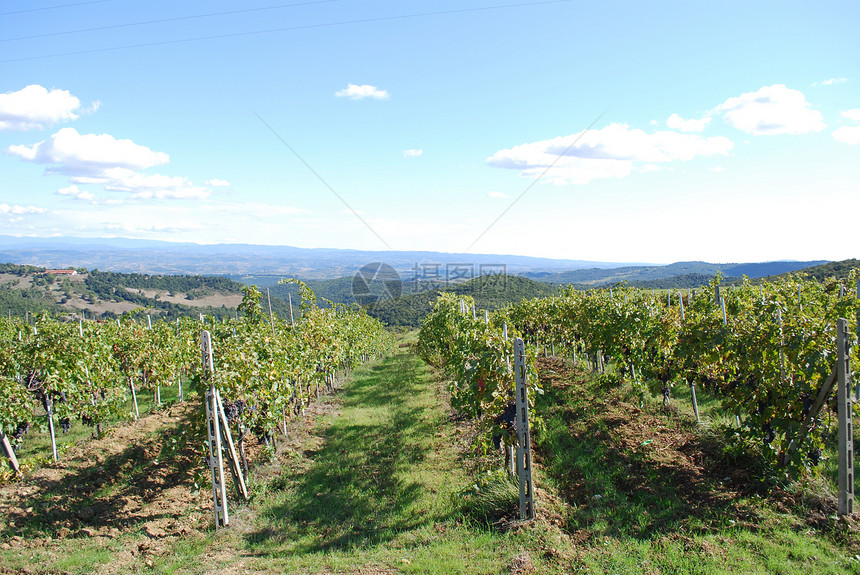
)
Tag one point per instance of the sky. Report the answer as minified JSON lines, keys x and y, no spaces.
{"x":607,"y":131}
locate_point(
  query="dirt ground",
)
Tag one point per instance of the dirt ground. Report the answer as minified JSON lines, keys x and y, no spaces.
{"x":214,"y":300}
{"x":138,"y":484}
{"x":84,"y":496}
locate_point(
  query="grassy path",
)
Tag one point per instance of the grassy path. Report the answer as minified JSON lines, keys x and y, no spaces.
{"x":376,"y":493}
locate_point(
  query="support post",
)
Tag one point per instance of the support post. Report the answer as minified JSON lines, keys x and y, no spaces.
{"x":50,"y":409}
{"x":695,"y":403}
{"x":846,"y":427}
{"x":134,"y":398}
{"x":524,"y":459}
{"x":290,"y":301}
{"x":271,"y":315}
{"x":216,"y":461}
{"x":235,"y":464}
{"x":10,"y":453}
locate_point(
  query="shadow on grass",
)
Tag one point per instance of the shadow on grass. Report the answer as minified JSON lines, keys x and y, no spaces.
{"x":359,"y":490}
{"x":618,"y":485}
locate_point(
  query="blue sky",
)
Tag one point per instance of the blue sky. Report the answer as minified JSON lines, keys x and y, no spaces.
{"x":611,"y":131}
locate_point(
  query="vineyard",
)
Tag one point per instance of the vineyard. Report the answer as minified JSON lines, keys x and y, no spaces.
{"x":91,"y":373}
{"x":408,"y":466}
{"x":768,"y":352}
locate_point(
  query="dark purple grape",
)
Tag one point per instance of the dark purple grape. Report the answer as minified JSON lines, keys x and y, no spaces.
{"x":770,"y":434}
{"x":22,"y":430}
{"x":66,"y":424}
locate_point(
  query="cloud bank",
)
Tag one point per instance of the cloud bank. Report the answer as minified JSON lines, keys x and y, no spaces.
{"x":611,"y":152}
{"x":35,"y":107}
{"x":771,"y":110}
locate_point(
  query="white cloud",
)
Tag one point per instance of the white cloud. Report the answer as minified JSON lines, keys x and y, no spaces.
{"x":412,"y":153}
{"x":495,"y":194}
{"x":35,"y":107}
{"x":771,"y":110}
{"x":676,"y":122}
{"x":606,"y":153}
{"x":847,"y":135}
{"x":356,"y":92}
{"x":77,"y":193}
{"x":86,"y":154}
{"x":831,"y":82}
{"x":853,"y":114}
{"x":156,"y":186}
{"x":217,"y":183}
{"x":718,"y":169}
{"x":20,"y":210}
{"x":115,"y":164}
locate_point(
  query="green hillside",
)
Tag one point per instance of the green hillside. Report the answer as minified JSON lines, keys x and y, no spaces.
{"x":30,"y":289}
{"x":490,"y":292}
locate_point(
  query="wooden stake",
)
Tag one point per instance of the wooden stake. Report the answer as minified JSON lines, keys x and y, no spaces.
{"x":845,"y":421}
{"x":235,"y":465}
{"x":10,"y":453}
{"x":216,"y":461}
{"x":134,"y":398}
{"x":271,"y":316}
{"x":524,"y":462}
{"x":695,"y":403}
{"x":290,"y":300}
{"x":50,"y":411}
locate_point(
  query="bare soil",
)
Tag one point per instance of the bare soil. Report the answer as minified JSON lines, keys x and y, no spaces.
{"x":139,"y":485}
{"x":85,"y":494}
{"x":214,"y":300}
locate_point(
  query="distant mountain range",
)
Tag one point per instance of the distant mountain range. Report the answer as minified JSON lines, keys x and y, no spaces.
{"x":697,"y":273}
{"x":177,"y":279}
{"x":240,"y":261}
{"x":265,"y":265}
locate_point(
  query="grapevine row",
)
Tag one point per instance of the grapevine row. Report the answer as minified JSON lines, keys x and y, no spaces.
{"x":267,"y":369}
{"x":763,"y":350}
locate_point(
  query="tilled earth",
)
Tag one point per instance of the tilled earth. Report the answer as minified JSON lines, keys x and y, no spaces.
{"x":139,"y":478}
{"x":138,"y":490}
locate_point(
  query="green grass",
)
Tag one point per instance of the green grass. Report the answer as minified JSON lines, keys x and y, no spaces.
{"x":642,"y":514}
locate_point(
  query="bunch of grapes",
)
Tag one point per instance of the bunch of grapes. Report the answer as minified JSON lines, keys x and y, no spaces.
{"x":21,"y":430}
{"x":66,"y":424}
{"x":234,"y":410}
{"x":814,"y":456}
{"x":507,"y":421}
{"x":769,"y":433}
